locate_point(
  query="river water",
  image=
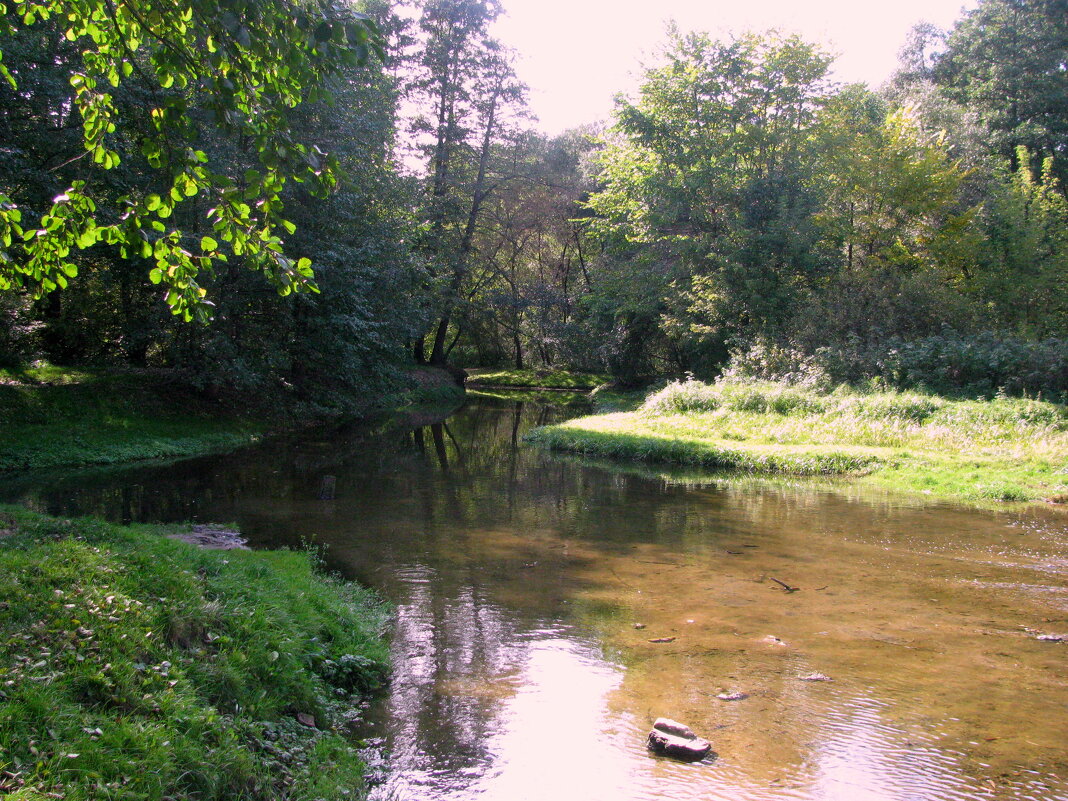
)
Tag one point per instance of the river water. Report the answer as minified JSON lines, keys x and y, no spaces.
{"x":528,"y":589}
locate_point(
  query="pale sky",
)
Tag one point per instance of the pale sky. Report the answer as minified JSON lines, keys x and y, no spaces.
{"x":577,"y":54}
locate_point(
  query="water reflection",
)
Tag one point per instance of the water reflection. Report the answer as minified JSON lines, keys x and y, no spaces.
{"x":518,"y":578}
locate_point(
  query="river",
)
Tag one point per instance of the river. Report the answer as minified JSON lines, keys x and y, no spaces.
{"x":529,"y":589}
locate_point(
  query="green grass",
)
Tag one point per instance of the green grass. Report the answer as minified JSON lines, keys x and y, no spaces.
{"x":535,"y":379}
{"x":137,"y":667}
{"x":58,"y":417}
{"x":998,"y":450}
{"x":559,"y":398}
{"x":86,"y":418}
{"x":607,"y":398}
{"x":41,"y":373}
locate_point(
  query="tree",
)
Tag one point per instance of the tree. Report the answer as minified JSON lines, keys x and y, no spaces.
{"x":891,"y":188}
{"x":1007,"y":58}
{"x":530,"y":262}
{"x":468,"y":88}
{"x":705,"y":183}
{"x":1022,"y":272}
{"x":201,"y":67}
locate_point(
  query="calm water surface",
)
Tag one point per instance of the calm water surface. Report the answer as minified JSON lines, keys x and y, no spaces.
{"x":519,"y":578}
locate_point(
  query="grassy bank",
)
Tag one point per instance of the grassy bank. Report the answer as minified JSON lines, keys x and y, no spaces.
{"x":534,"y":379}
{"x":69,"y":417}
{"x":57,"y":417}
{"x":137,"y":667}
{"x":1003,"y":449}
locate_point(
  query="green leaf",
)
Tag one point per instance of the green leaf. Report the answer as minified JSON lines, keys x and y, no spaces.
{"x":208,"y":244}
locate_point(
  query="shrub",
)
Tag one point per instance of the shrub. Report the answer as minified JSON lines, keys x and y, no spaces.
{"x":949,"y":363}
{"x":680,"y":397}
{"x":766,"y":361}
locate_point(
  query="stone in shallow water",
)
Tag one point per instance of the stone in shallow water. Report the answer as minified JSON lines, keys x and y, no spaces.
{"x":677,"y":740}
{"x":669,"y":726}
{"x":688,"y":750}
{"x":726,"y":696}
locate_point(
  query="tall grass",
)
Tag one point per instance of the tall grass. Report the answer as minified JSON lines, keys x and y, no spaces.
{"x":873,"y":418}
{"x":1004,"y":448}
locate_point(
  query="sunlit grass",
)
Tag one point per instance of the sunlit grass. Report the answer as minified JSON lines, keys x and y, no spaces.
{"x":136,"y":667}
{"x":41,"y":372}
{"x":544,"y":379}
{"x":1002,"y":449}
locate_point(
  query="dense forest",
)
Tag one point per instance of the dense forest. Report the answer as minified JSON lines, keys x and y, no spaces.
{"x":307,"y":200}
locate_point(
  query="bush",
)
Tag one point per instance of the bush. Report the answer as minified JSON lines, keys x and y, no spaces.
{"x":766,"y":361}
{"x":680,"y":397}
{"x":950,"y":363}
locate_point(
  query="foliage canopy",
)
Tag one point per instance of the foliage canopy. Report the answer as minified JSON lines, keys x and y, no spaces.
{"x":230,"y":67}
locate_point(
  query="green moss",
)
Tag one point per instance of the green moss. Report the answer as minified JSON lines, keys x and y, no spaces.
{"x":137,"y":667}
{"x":997,"y":450}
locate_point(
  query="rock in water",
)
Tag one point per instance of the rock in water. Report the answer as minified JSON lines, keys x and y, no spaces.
{"x":669,"y":726}
{"x":679,"y":747}
{"x":677,"y":740}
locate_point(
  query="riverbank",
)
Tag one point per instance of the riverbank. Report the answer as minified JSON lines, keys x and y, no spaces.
{"x":136,"y":666}
{"x":57,"y":417}
{"x":534,"y":379}
{"x":998,"y":450}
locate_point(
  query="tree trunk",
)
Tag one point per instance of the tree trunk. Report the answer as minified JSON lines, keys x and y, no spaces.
{"x":518,"y":352}
{"x":437,"y":353}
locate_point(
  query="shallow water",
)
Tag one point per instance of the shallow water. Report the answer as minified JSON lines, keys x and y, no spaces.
{"x":518,"y":578}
